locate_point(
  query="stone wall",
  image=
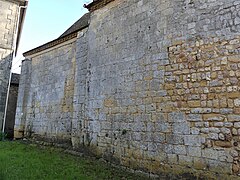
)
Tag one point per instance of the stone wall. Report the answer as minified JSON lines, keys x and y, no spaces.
{"x":5,"y":67}
{"x":45,"y":98}
{"x":12,"y":104}
{"x":8,"y":22}
{"x":162,"y":87}
{"x":23,"y":94}
{"x":155,"y":87}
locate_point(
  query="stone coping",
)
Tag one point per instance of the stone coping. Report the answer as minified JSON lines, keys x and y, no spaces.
{"x":97,"y":4}
{"x":50,"y":44}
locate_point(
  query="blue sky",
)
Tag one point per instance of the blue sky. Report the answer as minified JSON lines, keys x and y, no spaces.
{"x":47,"y":20}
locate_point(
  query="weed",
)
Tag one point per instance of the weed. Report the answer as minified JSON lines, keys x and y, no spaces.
{"x":3,"y":136}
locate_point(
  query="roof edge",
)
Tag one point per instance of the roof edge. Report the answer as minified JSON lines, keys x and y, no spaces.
{"x":78,"y":25}
{"x":20,"y":2}
{"x":96,"y":4}
{"x":51,"y":44}
{"x":23,"y":9}
{"x":66,"y":36}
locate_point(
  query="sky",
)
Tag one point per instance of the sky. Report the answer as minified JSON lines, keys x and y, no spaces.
{"x":45,"y":21}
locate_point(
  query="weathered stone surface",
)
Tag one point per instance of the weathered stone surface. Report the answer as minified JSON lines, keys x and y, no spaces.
{"x":8,"y":23}
{"x":224,"y":144}
{"x":45,"y":101}
{"x":177,"y":117}
{"x":194,"y":151}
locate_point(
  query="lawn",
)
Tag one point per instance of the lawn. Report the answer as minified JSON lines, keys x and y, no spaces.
{"x":20,"y":161}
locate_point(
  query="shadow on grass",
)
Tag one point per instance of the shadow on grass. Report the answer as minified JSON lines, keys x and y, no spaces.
{"x":26,"y":161}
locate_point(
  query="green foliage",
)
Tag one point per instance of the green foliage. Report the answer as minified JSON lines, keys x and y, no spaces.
{"x":21,"y":161}
{"x":3,"y":136}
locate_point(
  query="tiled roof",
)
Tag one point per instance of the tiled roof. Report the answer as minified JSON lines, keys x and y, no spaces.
{"x":71,"y":33}
{"x":78,"y":25}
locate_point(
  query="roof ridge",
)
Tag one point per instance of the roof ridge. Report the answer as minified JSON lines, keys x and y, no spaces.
{"x":70,"y":33}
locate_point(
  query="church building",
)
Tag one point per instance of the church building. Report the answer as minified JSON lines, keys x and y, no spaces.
{"x":151,"y":85}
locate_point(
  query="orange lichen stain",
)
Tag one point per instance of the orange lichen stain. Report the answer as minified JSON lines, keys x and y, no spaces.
{"x":110,"y":103}
{"x":67,"y":100}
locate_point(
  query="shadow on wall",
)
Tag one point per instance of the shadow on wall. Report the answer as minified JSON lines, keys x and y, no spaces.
{"x":5,"y":67}
{"x":12,"y":105}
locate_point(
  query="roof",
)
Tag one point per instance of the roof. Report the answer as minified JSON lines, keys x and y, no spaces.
{"x":78,"y":25}
{"x":97,"y":4}
{"x":21,"y":2}
{"x":70,"y":33}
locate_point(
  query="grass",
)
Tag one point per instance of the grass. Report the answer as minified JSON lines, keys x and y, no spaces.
{"x":20,"y":161}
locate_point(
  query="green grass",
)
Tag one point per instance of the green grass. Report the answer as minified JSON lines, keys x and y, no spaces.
{"x":20,"y":161}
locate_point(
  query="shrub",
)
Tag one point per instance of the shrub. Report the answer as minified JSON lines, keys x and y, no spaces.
{"x":3,"y":136}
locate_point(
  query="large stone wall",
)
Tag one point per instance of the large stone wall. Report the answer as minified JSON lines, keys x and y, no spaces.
{"x":163,"y":84}
{"x":8,"y":22}
{"x":155,"y":87}
{"x":45,"y":98}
